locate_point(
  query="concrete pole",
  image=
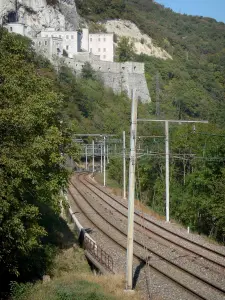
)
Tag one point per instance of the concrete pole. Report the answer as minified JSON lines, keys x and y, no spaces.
{"x":124,"y":165}
{"x":93,"y":157}
{"x":107,"y":154}
{"x":86,"y":161}
{"x":133,"y":139}
{"x":167,"y":171}
{"x":101,"y":157}
{"x":104,"y":161}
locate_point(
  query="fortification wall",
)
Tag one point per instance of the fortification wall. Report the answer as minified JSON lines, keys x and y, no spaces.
{"x":121,"y":77}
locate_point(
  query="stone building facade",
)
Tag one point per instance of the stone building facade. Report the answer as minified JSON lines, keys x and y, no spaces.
{"x":97,"y":49}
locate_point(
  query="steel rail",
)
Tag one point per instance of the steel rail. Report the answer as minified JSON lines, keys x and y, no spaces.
{"x":162,"y":228}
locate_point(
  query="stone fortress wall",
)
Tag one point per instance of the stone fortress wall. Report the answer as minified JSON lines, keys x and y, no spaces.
{"x":121,"y":77}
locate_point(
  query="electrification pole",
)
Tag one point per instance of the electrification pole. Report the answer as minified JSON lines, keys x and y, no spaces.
{"x":157,"y":110}
{"x":93,"y":157}
{"x":167,"y":170}
{"x":167,"y":122}
{"x":104,"y":161}
{"x":86,"y":157}
{"x":101,"y":157}
{"x":133,"y":133}
{"x":107,"y":154}
{"x":124,"y":165}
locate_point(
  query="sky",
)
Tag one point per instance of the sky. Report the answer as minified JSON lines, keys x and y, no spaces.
{"x":206,"y":8}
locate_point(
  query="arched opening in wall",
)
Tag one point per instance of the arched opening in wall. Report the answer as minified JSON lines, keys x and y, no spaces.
{"x":12,"y":17}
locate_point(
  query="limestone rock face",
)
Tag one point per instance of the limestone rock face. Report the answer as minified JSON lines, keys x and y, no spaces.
{"x":142,"y":42}
{"x":38,"y":15}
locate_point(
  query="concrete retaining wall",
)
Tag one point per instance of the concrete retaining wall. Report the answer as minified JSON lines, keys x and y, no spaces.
{"x":82,"y":234}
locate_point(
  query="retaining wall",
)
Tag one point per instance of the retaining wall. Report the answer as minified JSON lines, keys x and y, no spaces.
{"x":121,"y":77}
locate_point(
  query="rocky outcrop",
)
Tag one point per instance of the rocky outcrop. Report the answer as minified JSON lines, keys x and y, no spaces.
{"x":37,"y":14}
{"x":142,"y":42}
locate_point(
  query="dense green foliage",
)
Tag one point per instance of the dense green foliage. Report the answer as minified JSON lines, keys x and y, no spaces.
{"x":32,"y":135}
{"x":197,"y":176}
{"x":192,"y":84}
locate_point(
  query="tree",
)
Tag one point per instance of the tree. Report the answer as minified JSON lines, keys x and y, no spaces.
{"x":31,"y":165}
{"x":125,"y":50}
{"x":87,"y":71}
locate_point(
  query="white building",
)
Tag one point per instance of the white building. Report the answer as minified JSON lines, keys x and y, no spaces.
{"x":17,"y":28}
{"x":71,"y":40}
{"x":100,"y":44}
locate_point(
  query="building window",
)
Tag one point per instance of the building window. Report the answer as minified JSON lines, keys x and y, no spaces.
{"x":99,"y":50}
{"x":46,"y":35}
{"x":67,"y":47}
{"x":91,"y":50}
{"x":46,"y":43}
{"x":67,"y":37}
{"x":39,"y":43}
{"x":104,"y":39}
{"x":104,"y":56}
{"x":11,"y":29}
{"x":72,"y":37}
{"x":60,"y":36}
{"x":90,"y":39}
{"x":99,"y":39}
{"x":104,"y":50}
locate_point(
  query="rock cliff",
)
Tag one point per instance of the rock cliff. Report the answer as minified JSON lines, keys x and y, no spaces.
{"x":39,"y":14}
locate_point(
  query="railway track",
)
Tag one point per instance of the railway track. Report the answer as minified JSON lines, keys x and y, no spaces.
{"x":196,"y":285}
{"x":200,"y":250}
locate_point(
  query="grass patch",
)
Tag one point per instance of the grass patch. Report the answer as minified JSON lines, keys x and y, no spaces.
{"x":72,"y":279}
{"x":109,"y":182}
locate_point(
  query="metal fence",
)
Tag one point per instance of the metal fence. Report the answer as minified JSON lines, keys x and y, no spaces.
{"x":99,"y":254}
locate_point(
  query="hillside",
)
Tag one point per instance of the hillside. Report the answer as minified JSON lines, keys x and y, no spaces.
{"x":192,"y":84}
